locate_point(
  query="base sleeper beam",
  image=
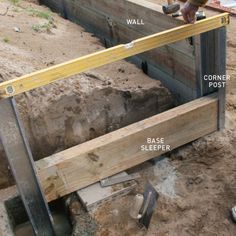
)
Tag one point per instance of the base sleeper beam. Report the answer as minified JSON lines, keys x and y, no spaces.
{"x":87,"y":163}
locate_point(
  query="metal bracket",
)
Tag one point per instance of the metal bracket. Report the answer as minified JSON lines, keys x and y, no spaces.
{"x":22,"y":166}
{"x":225,"y":20}
{"x":110,"y":22}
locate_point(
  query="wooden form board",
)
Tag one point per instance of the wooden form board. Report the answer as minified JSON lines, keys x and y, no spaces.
{"x":43,"y":77}
{"x":87,"y":163}
{"x":173,"y":64}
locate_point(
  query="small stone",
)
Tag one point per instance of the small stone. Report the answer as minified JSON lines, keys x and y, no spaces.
{"x":115,"y":212}
{"x":181,"y":205}
{"x":17,"y":29}
{"x":199,"y":179}
{"x":163,"y":216}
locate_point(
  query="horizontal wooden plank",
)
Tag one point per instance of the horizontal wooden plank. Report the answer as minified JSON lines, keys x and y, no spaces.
{"x":118,"y":11}
{"x":124,"y":9}
{"x":82,"y":165}
{"x":54,"y":73}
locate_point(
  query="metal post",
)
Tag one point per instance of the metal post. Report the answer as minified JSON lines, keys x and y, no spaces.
{"x":210,"y":52}
{"x":221,"y":70}
{"x":21,"y":162}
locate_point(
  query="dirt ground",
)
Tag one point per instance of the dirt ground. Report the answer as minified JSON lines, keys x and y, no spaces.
{"x":197,"y":182}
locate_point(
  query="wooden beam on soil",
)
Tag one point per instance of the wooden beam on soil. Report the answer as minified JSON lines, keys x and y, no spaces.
{"x":89,"y":162}
{"x":43,"y":77}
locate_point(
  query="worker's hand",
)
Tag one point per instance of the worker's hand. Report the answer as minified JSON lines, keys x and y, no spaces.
{"x":189,"y":11}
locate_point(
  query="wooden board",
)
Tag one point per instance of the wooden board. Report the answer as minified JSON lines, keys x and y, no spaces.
{"x":87,"y":163}
{"x":94,"y":60}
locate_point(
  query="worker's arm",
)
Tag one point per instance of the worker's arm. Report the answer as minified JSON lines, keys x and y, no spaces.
{"x":190,"y":8}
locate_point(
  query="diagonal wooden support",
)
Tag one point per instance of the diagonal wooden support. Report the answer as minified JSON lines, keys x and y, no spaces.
{"x":49,"y":75}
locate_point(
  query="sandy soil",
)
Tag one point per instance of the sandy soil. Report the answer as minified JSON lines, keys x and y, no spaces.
{"x":197,"y":183}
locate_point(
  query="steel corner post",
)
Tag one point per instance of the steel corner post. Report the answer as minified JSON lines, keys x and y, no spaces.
{"x":20,"y":159}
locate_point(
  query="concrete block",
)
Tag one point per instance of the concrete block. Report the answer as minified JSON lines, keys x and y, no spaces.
{"x":95,"y":195}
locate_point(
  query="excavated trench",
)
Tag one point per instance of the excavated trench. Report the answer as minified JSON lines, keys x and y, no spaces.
{"x":71,"y":112}
{"x":78,"y":111}
{"x":65,"y":114}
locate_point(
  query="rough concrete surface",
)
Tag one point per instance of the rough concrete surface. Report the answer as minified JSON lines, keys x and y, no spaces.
{"x":5,"y":223}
